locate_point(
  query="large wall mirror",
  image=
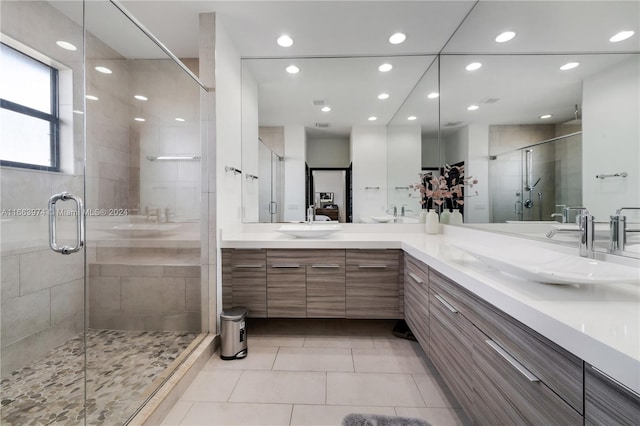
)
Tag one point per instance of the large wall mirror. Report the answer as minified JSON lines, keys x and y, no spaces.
{"x":545,"y":121}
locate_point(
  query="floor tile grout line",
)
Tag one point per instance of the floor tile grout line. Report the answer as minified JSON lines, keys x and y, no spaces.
{"x":273,"y":364}
{"x":235,"y":385}
{"x":184,"y":416}
{"x":291,"y":414}
{"x":424,"y":401}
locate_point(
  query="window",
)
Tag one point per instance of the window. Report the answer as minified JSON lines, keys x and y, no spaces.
{"x":29,"y":112}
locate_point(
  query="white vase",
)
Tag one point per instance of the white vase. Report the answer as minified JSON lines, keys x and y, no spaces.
{"x":432,"y":223}
{"x":444,"y":216}
{"x":423,"y":215}
{"x":456,"y":217}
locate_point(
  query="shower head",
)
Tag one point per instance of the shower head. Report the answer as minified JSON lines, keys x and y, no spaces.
{"x":577,"y":117}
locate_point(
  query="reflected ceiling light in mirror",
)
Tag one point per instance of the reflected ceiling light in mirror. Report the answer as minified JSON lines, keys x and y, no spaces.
{"x":91,"y":97}
{"x":325,"y":109}
{"x":77,"y":111}
{"x":103,"y":70}
{"x":473,"y":107}
{"x":292,"y":69}
{"x":473,"y":66}
{"x":622,"y":35}
{"x":412,"y":118}
{"x":285,"y":41}
{"x":139,"y":119}
{"x":545,"y":116}
{"x":569,"y":66}
{"x":141,"y":98}
{"x":66,"y":45}
{"x":397,"y":38}
{"x":385,"y":67}
{"x":383,"y":96}
{"x":433,"y":95}
{"x":180,"y":119}
{"x":505,"y":36}
{"x":372,"y":118}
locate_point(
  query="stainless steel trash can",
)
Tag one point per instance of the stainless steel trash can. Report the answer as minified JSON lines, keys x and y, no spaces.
{"x":233,"y":333}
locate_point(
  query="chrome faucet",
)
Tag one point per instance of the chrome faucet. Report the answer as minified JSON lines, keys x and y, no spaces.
{"x":618,"y":230}
{"x":566,"y":211}
{"x":586,"y":229}
{"x":403,"y":210}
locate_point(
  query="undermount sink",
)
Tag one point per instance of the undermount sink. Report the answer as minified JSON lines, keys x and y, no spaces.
{"x":550,"y":266}
{"x":305,"y":230}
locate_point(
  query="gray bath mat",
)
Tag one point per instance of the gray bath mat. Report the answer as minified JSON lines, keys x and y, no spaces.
{"x":378,"y":420}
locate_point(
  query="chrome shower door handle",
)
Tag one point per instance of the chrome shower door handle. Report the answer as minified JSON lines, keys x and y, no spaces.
{"x":65,"y":196}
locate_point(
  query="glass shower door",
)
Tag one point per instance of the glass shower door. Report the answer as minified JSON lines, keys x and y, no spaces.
{"x":42,"y":182}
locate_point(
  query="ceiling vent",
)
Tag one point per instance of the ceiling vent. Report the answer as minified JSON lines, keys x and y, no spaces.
{"x":319,"y":102}
{"x":323,"y":125}
{"x":490,"y":100}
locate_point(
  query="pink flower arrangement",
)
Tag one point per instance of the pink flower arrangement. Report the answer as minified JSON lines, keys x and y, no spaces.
{"x":446,"y":186}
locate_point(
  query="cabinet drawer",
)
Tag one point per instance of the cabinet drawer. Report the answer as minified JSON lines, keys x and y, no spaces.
{"x":451,"y":348}
{"x":305,"y":257}
{"x":373,"y":258}
{"x":416,"y":300}
{"x":248,"y":271}
{"x":286,"y":290}
{"x":507,"y":393}
{"x":607,"y":402}
{"x":326,"y":292}
{"x":557,"y":368}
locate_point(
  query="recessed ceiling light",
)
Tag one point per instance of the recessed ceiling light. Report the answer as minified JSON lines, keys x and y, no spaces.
{"x":473,"y":107}
{"x":397,"y":38}
{"x":411,"y":117}
{"x":433,"y":95}
{"x":139,"y":119}
{"x":66,"y":45}
{"x":77,"y":111}
{"x":473,"y":66}
{"x":545,"y":116}
{"x":141,"y":98}
{"x":325,"y":109}
{"x":622,"y":35}
{"x":179,"y":119}
{"x":505,"y":36}
{"x":285,"y":41}
{"x":385,"y":67}
{"x":383,"y":96}
{"x":569,"y":66}
{"x":292,"y":69}
{"x":373,"y":118}
{"x":103,"y":70}
{"x":91,"y":97}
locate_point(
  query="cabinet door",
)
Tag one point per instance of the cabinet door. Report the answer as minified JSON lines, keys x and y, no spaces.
{"x":326,"y":285}
{"x":451,"y":348}
{"x":608,"y":402}
{"x":286,"y":284}
{"x":507,"y":393}
{"x":373,"y":289}
{"x":416,"y":300}
{"x":250,"y":281}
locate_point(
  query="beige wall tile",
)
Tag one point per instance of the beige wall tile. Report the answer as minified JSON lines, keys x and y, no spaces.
{"x":66,"y":300}
{"x":131,"y":270}
{"x":191,"y":271}
{"x":104,"y":294}
{"x":10,"y":268}
{"x":141,"y":294}
{"x":193,"y":294}
{"x":173,"y":294}
{"x":25,"y":315}
{"x":52,"y":269}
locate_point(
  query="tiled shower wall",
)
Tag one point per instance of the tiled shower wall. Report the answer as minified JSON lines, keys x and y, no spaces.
{"x":557,"y":165}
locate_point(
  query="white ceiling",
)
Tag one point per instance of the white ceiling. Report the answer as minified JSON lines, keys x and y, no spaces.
{"x":526,"y":86}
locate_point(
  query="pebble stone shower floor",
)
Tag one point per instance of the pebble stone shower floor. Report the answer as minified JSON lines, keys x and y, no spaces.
{"x":120,"y":367}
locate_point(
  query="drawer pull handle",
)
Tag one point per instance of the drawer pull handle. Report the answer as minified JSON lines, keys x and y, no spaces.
{"x":326,"y":266}
{"x":372,"y":266}
{"x":415,"y":278}
{"x":286,"y":265}
{"x":257,"y":265}
{"x":511,"y":360}
{"x":446,"y":304}
{"x":608,"y":377}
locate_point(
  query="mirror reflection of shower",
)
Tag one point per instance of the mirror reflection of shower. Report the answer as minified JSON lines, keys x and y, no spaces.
{"x":538,"y":172}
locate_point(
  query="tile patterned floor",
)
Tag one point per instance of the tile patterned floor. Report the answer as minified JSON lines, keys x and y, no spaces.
{"x":120,"y":367}
{"x":300,"y":375}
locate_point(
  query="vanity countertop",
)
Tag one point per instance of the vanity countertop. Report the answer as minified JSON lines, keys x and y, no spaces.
{"x":598,"y":323}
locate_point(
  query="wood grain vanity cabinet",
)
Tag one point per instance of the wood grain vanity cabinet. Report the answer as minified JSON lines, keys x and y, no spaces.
{"x":416,"y":299}
{"x":501,"y":371}
{"x":244,"y":280}
{"x":607,"y":402}
{"x":326,"y":289}
{"x":374,"y":284}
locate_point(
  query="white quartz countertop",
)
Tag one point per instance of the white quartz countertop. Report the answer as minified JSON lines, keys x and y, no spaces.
{"x":598,"y":323}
